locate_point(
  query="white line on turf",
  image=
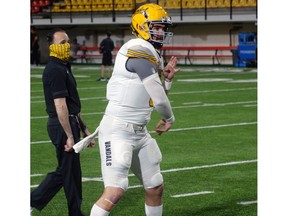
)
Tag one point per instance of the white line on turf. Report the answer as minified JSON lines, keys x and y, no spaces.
{"x":205,"y":80}
{"x":247,"y":202}
{"x":189,"y":105}
{"x":174,"y":93}
{"x":130,"y":187}
{"x":35,"y":175}
{"x":176,"y":169}
{"x":192,"y":194}
{"x":210,"y":91}
{"x":210,"y":126}
{"x":215,"y":105}
{"x":181,"y":129}
{"x":209,"y":166}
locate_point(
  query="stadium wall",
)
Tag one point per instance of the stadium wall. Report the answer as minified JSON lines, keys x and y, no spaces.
{"x":187,"y":34}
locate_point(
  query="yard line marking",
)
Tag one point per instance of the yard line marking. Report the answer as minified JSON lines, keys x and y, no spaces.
{"x":41,"y":142}
{"x":135,"y":186}
{"x":82,"y":99}
{"x":192,"y":194}
{"x":174,"y":107}
{"x":209,"y":166}
{"x":35,"y":175}
{"x":98,"y":179}
{"x":83,"y":88}
{"x":181,"y":129}
{"x":209,"y":91}
{"x":205,"y":80}
{"x":168,"y":171}
{"x":187,"y":103}
{"x":211,"y":105}
{"x":83,"y":114}
{"x":247,"y":202}
{"x":252,"y":105}
{"x":174,"y":93}
{"x":210,"y":126}
{"x":244,"y":81}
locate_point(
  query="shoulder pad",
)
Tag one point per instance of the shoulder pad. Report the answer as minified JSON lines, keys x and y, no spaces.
{"x":143,"y":50}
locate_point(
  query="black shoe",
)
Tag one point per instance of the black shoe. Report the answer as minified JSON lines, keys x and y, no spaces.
{"x":101,"y":79}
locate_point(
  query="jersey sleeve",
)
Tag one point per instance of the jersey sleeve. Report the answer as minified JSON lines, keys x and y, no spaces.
{"x":142,"y":67}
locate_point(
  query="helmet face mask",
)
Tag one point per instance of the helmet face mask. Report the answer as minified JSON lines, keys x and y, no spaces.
{"x":159,"y":33}
{"x":151,"y":22}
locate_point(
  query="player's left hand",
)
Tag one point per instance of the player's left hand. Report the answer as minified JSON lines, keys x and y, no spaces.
{"x":162,"y":127}
{"x":169,"y":71}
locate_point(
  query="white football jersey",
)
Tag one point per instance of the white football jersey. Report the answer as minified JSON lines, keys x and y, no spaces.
{"x":126,"y":94}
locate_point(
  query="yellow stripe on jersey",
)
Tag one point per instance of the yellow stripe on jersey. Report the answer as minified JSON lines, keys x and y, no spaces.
{"x":151,"y":104}
{"x":136,"y":54}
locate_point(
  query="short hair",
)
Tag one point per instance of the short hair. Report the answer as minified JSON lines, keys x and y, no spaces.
{"x":108,"y":33}
{"x":50,"y":35}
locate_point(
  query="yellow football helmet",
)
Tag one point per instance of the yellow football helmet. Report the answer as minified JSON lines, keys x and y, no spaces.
{"x":143,"y":20}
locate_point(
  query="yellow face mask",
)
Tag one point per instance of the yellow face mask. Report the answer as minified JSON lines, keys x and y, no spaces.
{"x":61,"y":51}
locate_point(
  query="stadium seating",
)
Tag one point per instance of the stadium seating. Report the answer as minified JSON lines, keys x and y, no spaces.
{"x":128,"y":5}
{"x":37,"y":5}
{"x":93,"y":5}
{"x":190,"y":4}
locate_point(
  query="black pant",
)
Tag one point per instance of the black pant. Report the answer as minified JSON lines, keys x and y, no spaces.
{"x":35,"y":56}
{"x":67,"y":174}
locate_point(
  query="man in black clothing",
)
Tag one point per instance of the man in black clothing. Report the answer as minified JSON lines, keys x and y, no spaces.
{"x":64,"y":127}
{"x":106,"y":48}
{"x":34,"y":46}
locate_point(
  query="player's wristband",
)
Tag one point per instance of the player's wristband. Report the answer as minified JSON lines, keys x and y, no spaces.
{"x":167,"y":85}
{"x":170,"y":120}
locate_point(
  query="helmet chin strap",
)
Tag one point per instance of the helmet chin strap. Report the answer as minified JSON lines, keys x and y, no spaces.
{"x":157,"y":45}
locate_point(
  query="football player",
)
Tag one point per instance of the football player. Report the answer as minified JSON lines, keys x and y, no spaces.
{"x":133,"y":91}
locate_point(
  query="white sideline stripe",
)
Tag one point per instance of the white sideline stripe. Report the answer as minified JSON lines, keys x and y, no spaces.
{"x":135,"y":186}
{"x":82,"y":99}
{"x":84,"y":179}
{"x":247,"y":202}
{"x":192,"y":194}
{"x":211,"y":126}
{"x":219,"y":104}
{"x":171,"y":93}
{"x":35,"y":175}
{"x":209,"y":166}
{"x":98,"y":179}
{"x":189,"y":105}
{"x":166,"y":171}
{"x":205,"y":80}
{"x":180,"y":129}
{"x":83,"y":114}
{"x":244,"y":81}
{"x":252,"y":105}
{"x":209,"y":91}
{"x":83,"y":88}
